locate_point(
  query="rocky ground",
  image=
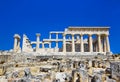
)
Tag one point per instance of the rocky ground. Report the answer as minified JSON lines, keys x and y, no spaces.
{"x":31,"y":68}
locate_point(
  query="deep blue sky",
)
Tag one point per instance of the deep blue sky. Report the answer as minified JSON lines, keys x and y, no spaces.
{"x":33,"y":16}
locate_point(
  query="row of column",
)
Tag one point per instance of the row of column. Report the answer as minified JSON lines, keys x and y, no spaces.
{"x":56,"y":40}
{"x":47,"y":43}
{"x":90,"y":42}
{"x":73,"y":43}
{"x":38,"y":41}
{"x":106,"y":44}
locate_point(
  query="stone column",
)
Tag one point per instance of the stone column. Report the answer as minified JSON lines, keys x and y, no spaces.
{"x":96,"y":47}
{"x":99,"y":43}
{"x":57,"y":40}
{"x":43,"y":45}
{"x":57,"y":36}
{"x":50,"y":40}
{"x":64,"y":43}
{"x":38,"y":41}
{"x":107,"y":43}
{"x":16,"y":42}
{"x":56,"y":44}
{"x":104,"y":44}
{"x":50,"y":36}
{"x":49,"y":44}
{"x":18,"y":46}
{"x":90,"y":43}
{"x":82,"y":43}
{"x":73,"y":43}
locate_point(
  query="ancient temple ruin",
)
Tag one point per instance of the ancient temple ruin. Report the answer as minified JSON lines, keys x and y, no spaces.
{"x":78,"y":54}
{"x":74,"y":40}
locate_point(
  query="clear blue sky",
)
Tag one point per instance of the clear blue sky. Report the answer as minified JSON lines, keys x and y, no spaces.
{"x":33,"y":16}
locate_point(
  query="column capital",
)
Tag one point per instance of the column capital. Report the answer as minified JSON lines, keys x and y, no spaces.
{"x":72,"y":34}
{"x":98,"y":34}
{"x":17,"y":36}
{"x":81,"y":34}
{"x":106,"y":34}
{"x":89,"y":34}
{"x":37,"y":34}
{"x":63,"y":34}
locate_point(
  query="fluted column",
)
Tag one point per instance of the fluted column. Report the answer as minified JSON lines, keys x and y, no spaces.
{"x":38,"y":41}
{"x":82,"y":44}
{"x":90,"y":43}
{"x":107,"y":43}
{"x":64,"y":43}
{"x":99,"y":43}
{"x":73,"y":43}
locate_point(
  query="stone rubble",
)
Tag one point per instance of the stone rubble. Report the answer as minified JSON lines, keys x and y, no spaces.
{"x":22,"y":67}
